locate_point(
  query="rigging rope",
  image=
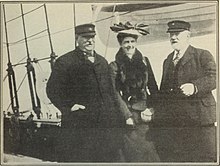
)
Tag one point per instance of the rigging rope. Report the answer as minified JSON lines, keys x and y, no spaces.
{"x":11,"y":75}
{"x":24,"y":14}
{"x":21,"y":59}
{"x":21,"y":41}
{"x":48,"y":28}
{"x":106,"y":48}
{"x":74,"y":23}
{"x":103,"y":19}
{"x":52,"y":54}
{"x":31,"y":75}
{"x":22,"y":81}
{"x":4,"y":78}
{"x":42,"y":36}
{"x":35,"y":60}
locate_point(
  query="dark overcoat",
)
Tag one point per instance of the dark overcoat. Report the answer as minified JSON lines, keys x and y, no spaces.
{"x":197,"y":66}
{"x":76,"y":80}
{"x":186,"y":131}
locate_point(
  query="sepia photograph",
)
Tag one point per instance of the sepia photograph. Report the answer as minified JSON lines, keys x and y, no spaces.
{"x":115,"y":82}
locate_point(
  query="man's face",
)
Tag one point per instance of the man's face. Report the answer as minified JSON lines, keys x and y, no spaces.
{"x":179,"y":39}
{"x":86,"y":43}
{"x":128,"y":45}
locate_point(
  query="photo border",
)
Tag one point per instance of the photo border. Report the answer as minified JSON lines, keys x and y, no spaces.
{"x":122,"y":1}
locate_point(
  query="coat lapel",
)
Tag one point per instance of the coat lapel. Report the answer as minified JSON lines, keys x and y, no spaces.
{"x":97,"y":59}
{"x":187,"y":55}
{"x":167,"y":63}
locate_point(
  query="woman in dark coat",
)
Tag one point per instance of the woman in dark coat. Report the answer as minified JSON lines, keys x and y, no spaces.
{"x":132,"y":78}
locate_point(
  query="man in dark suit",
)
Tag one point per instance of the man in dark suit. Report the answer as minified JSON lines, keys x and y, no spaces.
{"x":80,"y":87}
{"x":188,"y":112}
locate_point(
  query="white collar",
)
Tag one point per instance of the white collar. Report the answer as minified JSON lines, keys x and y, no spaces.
{"x":181,"y":52}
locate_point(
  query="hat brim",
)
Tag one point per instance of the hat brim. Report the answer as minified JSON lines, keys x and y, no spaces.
{"x":87,"y":34}
{"x":176,"y":30}
{"x":130,"y":32}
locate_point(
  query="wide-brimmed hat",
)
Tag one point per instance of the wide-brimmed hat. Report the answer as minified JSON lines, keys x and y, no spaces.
{"x":178,"y":26}
{"x":128,"y":28}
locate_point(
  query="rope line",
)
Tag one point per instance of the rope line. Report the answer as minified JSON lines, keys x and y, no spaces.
{"x":37,"y":33}
{"x":103,"y":19}
{"x":5,"y":77}
{"x":35,"y":60}
{"x":22,"y":81}
{"x":40,"y":68}
{"x":106,"y":48}
{"x":21,"y":41}
{"x":24,"y":14}
{"x":22,"y":59}
{"x":33,"y":9}
{"x":13,"y":19}
{"x":48,"y":28}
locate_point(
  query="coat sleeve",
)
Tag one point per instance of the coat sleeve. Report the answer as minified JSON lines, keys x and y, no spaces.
{"x":162,"y":84}
{"x":57,"y":87}
{"x":152,"y":85}
{"x":120,"y":103}
{"x":207,"y":81}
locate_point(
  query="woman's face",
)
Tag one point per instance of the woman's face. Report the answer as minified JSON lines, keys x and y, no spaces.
{"x":128,"y":45}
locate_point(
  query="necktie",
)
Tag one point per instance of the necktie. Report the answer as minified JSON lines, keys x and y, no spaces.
{"x":90,"y":57}
{"x":177,"y":58}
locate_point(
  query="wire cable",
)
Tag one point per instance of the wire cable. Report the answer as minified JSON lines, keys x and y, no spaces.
{"x":21,"y":41}
{"x":22,"y":81}
{"x":106,"y":48}
{"x":24,"y":14}
{"x":109,"y":18}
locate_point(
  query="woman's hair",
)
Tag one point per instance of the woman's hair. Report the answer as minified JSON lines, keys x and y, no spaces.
{"x":121,"y":36}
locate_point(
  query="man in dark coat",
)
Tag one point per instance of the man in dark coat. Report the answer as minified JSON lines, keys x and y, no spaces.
{"x":188,"y":109}
{"x":80,"y":87}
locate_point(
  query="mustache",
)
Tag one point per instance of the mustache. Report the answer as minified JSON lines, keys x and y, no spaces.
{"x":89,"y":43}
{"x":129,"y":47}
{"x":173,"y":41}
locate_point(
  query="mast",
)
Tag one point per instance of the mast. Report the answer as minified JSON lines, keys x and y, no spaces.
{"x":31,"y":75}
{"x":74,"y":24}
{"x":52,"y":55}
{"x":106,"y":48}
{"x":11,"y":74}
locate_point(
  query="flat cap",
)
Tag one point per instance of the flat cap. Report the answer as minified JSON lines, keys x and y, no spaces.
{"x":178,"y":26}
{"x":85,"y":30}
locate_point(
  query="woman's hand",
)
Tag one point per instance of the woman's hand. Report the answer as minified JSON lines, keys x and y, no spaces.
{"x":147,"y":114}
{"x":130,"y":121}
